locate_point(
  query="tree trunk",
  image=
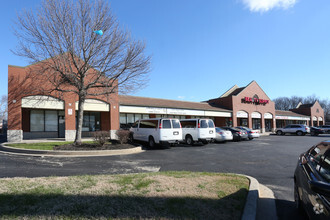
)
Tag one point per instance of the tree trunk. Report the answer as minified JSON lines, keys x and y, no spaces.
{"x":80,"y":120}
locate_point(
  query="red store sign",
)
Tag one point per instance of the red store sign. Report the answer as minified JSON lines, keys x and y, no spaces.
{"x":255,"y":101}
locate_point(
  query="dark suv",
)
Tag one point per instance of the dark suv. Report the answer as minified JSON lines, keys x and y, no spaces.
{"x":312,"y":181}
{"x":325,"y":128}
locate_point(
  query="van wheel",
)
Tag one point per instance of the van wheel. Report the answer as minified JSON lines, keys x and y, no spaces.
{"x":151,"y":142}
{"x":131,"y":139}
{"x":204,"y":142}
{"x":299,"y":133}
{"x":189,"y":140}
{"x":279,"y":132}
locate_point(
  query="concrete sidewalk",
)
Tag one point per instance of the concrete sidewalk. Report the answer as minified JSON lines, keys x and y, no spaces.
{"x":260,"y":202}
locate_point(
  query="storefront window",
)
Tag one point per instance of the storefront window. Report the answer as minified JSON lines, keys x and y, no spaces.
{"x":256,"y":123}
{"x":243,"y":122}
{"x":91,"y":121}
{"x":43,"y":120}
{"x":123,"y":118}
{"x":51,"y":120}
{"x":37,"y":120}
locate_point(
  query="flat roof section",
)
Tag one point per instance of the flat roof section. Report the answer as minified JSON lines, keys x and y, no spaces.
{"x":280,"y":114}
{"x":166,"y":103}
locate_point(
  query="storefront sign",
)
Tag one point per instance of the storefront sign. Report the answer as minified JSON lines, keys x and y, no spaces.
{"x":155,"y":110}
{"x":255,"y":115}
{"x":255,"y":101}
{"x":242,"y":114}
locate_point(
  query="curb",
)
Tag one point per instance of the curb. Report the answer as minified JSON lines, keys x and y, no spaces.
{"x":42,"y":153}
{"x":251,"y":205}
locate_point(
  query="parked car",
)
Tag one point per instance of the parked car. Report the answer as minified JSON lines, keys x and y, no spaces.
{"x":293,"y":129}
{"x":238,"y":134}
{"x":222,"y":135}
{"x":162,"y":131}
{"x":312,"y":182}
{"x":251,"y":133}
{"x":315,"y":131}
{"x":197,"y":130}
{"x":326,"y":128}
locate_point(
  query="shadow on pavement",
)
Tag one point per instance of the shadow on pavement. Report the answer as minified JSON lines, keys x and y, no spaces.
{"x":38,"y":205}
{"x":286,"y":210}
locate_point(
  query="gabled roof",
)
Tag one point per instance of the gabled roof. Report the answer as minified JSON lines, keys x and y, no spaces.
{"x":165,"y":103}
{"x":306,"y":106}
{"x":235,"y":90}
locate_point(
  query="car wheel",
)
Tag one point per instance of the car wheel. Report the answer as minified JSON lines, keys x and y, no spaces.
{"x":299,"y":133}
{"x":279,"y":132}
{"x":189,"y":140}
{"x":151,"y":142}
{"x":250,"y":138}
{"x":297,"y":199}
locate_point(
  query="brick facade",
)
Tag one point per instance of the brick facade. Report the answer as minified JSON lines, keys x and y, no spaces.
{"x":23,"y":83}
{"x":236,"y":101}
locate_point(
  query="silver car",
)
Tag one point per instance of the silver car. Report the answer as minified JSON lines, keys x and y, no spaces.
{"x":223,"y":135}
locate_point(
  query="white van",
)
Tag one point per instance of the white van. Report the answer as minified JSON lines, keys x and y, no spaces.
{"x":197,"y":130}
{"x":162,"y":131}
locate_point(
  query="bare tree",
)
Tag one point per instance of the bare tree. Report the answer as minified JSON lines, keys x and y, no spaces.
{"x":60,"y":37}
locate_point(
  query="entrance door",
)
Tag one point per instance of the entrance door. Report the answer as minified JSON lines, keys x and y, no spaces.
{"x":61,"y":126}
{"x":268,"y":125}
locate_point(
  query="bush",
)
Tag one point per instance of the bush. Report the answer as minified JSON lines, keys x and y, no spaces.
{"x":123,"y":136}
{"x":101,"y":137}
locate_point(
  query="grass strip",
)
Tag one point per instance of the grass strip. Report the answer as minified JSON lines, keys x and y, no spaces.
{"x":42,"y":145}
{"x":163,"y":195}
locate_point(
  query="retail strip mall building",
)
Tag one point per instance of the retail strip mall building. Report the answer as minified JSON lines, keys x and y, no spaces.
{"x":33,"y":115}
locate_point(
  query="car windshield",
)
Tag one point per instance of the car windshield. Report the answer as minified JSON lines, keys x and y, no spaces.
{"x":319,"y":157}
{"x":218,"y":129}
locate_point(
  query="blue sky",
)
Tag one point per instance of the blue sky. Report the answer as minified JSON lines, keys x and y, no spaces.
{"x":201,"y":48}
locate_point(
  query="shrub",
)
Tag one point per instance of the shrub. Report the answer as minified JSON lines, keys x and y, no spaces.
{"x":101,"y":137}
{"x":123,"y":136}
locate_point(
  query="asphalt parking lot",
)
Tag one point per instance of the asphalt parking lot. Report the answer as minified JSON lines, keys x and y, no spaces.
{"x":270,"y":159}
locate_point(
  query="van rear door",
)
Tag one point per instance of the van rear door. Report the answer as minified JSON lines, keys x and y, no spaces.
{"x":170,"y":130}
{"x":206,"y":129}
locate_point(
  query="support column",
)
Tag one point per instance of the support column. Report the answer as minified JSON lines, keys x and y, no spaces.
{"x":263,"y":124}
{"x":70,"y":120}
{"x":114,"y":120}
{"x":14,"y":132}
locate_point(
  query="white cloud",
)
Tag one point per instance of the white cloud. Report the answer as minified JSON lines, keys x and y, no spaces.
{"x":181,"y":97}
{"x":266,"y":5}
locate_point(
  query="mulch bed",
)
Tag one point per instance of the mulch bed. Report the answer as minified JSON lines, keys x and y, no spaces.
{"x":94,"y":146}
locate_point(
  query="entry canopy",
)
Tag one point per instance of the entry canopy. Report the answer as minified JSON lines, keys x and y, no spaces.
{"x":95,"y":105}
{"x":42,"y":102}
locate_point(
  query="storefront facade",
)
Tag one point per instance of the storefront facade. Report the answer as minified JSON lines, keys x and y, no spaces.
{"x":32,"y":114}
{"x":133,"y":108}
{"x":250,"y":105}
